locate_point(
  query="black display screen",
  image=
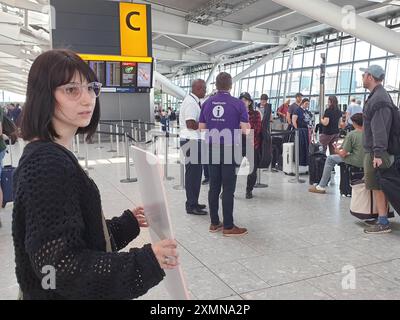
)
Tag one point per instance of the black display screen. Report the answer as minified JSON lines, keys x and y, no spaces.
{"x":129,"y":74}
{"x":98,"y":68}
{"x":144,"y":75}
{"x":113,"y":74}
{"x":123,"y":77}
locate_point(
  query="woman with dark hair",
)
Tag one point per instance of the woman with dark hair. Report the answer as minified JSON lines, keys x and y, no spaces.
{"x":58,"y":228}
{"x":330,"y":125}
{"x":255,"y":124}
{"x":301,"y":121}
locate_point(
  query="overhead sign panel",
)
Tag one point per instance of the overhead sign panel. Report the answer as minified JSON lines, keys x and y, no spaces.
{"x":99,"y":27}
{"x":135,"y":36}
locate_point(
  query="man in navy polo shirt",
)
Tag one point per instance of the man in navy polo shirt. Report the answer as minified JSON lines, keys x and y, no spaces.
{"x":225,"y":118}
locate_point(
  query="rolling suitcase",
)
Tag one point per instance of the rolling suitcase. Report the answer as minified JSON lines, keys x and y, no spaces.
{"x":7,"y":182}
{"x":288,"y":158}
{"x":316,"y":167}
{"x":316,"y":148}
{"x":317,"y":159}
{"x":277,"y":149}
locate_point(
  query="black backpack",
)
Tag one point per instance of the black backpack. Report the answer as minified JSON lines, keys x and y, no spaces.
{"x":394,"y":137}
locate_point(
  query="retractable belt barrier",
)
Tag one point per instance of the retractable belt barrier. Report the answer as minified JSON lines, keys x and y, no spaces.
{"x":119,"y":128}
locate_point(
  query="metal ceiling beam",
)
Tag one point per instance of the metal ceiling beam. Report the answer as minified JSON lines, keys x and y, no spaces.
{"x":161,"y":68}
{"x":4,"y":84}
{"x":353,"y":24}
{"x":10,"y":78}
{"x":177,"y":67}
{"x":181,"y":27}
{"x":227,"y":51}
{"x":250,"y":55}
{"x":13,"y":82}
{"x":362,"y":11}
{"x":157,"y":36}
{"x":24,"y":4}
{"x":6,"y":17}
{"x":167,"y":86}
{"x":12,"y":90}
{"x":11,"y":63}
{"x":19,"y":51}
{"x":270,"y":18}
{"x":203,"y":44}
{"x":181,"y":55}
{"x":184,"y":45}
{"x":215,"y":10}
{"x":259,"y":63}
{"x":212,"y":72}
{"x":19,"y":78}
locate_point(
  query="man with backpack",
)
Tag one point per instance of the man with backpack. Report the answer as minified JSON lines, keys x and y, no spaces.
{"x":377,"y":127}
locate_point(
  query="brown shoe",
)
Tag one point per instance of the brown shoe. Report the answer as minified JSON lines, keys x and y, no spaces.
{"x":234,"y":232}
{"x":216,"y":228}
{"x":317,"y":189}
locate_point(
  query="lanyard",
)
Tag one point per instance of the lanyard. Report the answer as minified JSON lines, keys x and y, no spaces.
{"x":195,"y":100}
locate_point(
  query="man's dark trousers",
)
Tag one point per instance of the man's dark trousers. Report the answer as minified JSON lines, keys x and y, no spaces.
{"x":193,"y":171}
{"x":222,"y":174}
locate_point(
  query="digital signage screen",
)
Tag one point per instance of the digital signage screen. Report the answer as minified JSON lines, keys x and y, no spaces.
{"x":123,"y":77}
{"x":144,"y":75}
{"x":98,"y":68}
{"x":113,"y":74}
{"x":129,"y":74}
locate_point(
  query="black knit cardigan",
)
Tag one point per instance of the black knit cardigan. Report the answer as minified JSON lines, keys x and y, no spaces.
{"x":57,"y":223}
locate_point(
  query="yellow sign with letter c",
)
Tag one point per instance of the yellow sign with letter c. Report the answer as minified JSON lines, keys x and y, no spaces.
{"x":133,"y":29}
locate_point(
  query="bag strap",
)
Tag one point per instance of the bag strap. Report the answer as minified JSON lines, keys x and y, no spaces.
{"x":372,"y":201}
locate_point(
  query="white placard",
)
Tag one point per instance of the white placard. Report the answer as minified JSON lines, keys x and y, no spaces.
{"x":154,"y":200}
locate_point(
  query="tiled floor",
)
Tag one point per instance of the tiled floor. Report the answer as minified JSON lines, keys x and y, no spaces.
{"x":299,"y":244}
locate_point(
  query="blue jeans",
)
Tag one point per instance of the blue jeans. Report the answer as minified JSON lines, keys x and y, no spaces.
{"x":2,"y":155}
{"x":330,"y":163}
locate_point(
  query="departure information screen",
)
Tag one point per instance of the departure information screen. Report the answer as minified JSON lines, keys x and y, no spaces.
{"x":129,"y":74}
{"x":144,"y":75}
{"x":123,"y":77}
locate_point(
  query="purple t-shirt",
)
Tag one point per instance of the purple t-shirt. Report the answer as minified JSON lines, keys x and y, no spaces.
{"x":222,"y":115}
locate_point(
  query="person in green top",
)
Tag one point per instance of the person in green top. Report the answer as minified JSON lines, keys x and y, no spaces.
{"x":2,"y":152}
{"x":351,"y":153}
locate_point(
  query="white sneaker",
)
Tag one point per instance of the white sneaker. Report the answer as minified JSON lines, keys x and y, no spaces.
{"x":319,"y":188}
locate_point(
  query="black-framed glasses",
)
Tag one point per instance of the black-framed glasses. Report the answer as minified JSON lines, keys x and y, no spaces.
{"x":74,"y":90}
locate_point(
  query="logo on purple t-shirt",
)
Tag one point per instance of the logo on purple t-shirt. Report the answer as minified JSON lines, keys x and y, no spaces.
{"x":218,"y":111}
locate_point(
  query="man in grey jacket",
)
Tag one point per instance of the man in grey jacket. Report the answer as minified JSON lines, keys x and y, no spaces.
{"x":377,"y":122}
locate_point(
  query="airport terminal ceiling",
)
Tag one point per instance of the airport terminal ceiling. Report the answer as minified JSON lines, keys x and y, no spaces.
{"x":185,"y":33}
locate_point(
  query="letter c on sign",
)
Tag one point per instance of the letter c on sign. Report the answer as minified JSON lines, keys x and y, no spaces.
{"x":128,"y":20}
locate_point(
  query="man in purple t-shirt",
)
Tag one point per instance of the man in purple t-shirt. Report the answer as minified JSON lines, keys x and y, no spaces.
{"x":225,"y":118}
